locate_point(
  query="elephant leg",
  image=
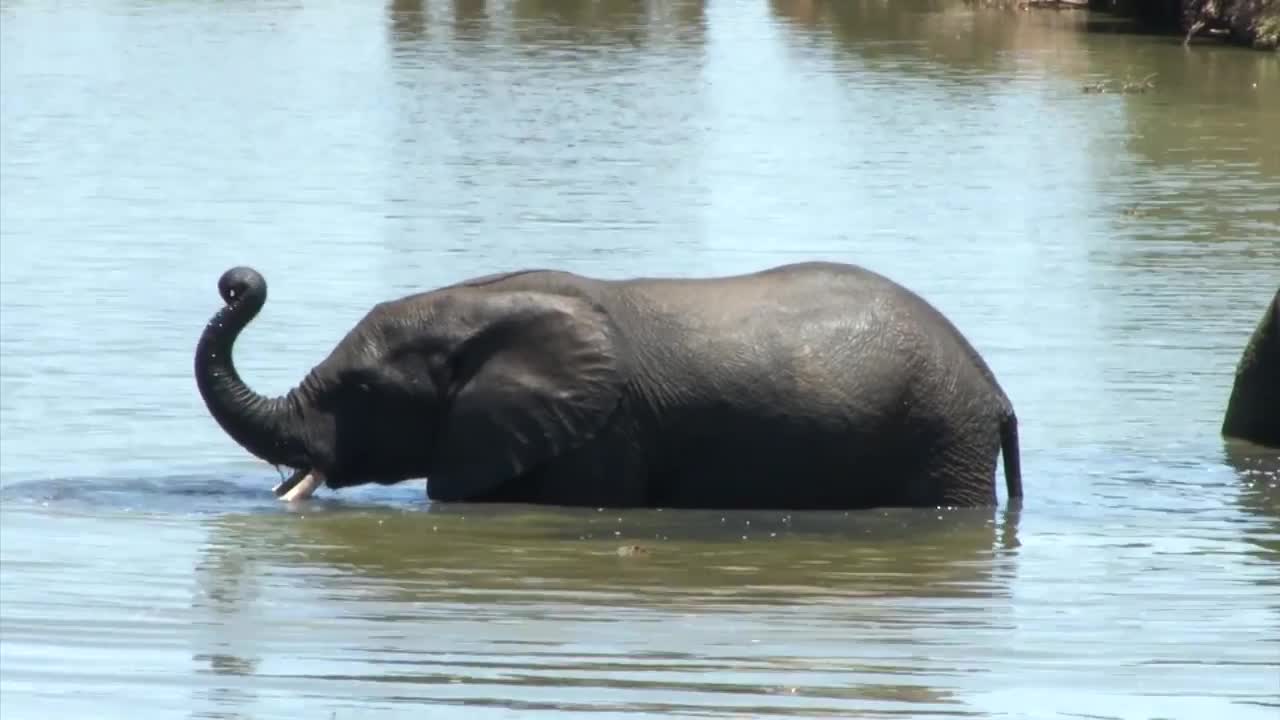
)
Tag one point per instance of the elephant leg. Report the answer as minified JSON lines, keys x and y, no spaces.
{"x":962,"y":471}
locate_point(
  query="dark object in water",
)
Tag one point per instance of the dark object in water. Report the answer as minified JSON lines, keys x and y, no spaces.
{"x":1253,"y":409}
{"x":1125,"y":87}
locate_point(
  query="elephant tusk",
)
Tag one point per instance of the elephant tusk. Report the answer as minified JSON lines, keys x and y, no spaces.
{"x":288,"y":483}
{"x":301,"y":485}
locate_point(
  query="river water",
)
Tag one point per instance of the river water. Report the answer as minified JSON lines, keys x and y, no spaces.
{"x":1108,"y":253}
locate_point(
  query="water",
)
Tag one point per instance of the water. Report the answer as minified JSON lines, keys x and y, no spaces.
{"x":1109,"y":254}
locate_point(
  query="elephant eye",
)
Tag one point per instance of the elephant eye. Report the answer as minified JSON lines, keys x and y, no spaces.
{"x":359,"y":380}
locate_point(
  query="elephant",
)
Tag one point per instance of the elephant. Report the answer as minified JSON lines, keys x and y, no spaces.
{"x":1253,"y":408}
{"x":813,"y":385}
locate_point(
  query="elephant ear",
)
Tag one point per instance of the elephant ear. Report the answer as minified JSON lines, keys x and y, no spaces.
{"x":538,"y":376}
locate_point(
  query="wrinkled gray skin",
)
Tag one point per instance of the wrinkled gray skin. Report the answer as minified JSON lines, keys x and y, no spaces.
{"x":814,"y":385}
{"x":1253,"y":410}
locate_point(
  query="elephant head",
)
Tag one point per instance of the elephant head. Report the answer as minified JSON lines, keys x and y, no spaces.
{"x":1253,"y":411}
{"x":468,"y":386}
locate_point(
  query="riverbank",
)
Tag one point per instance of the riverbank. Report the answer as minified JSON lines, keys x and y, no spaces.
{"x":1251,"y":23}
{"x":1255,"y":23}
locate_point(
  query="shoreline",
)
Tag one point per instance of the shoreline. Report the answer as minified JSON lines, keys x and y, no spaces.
{"x":1247,"y":23}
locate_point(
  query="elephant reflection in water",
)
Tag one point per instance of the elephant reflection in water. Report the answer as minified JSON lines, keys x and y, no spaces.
{"x":494,"y":548}
{"x":461,"y":591}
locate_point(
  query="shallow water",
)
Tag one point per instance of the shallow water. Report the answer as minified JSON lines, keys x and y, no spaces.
{"x":1109,"y":254}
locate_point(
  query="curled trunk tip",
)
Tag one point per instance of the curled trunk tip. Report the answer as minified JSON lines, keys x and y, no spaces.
{"x":264,"y":426}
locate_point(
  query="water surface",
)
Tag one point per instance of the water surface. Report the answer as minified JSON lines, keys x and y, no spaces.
{"x":1107,"y":253}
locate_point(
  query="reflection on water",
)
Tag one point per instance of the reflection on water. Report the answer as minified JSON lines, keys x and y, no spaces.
{"x":570,"y":24}
{"x":539,"y":608}
{"x":1109,"y":254}
{"x":1259,"y":474}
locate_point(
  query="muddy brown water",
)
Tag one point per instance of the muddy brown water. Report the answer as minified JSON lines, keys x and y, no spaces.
{"x":1108,"y":253}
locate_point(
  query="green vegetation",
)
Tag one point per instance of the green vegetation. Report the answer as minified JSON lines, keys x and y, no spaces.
{"x":1267,"y":28}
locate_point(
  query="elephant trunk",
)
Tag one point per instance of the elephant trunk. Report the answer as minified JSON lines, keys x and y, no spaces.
{"x":270,"y":428}
{"x":1253,"y":410}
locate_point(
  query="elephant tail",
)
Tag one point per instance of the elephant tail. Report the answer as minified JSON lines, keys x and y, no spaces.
{"x":1012,"y":456}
